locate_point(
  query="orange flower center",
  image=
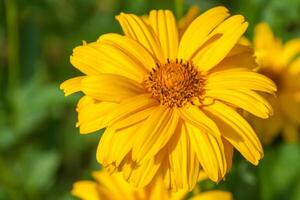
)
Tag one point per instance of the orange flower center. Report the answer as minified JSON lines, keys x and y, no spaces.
{"x":175,"y":83}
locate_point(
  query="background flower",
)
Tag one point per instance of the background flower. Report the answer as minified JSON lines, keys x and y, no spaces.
{"x":281,"y":63}
{"x":113,"y":187}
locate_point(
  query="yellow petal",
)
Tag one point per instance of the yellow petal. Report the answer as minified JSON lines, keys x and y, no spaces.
{"x":83,"y":101}
{"x":163,"y":23}
{"x":140,"y":59}
{"x":183,"y":161}
{"x":213,"y":195}
{"x":133,"y":118}
{"x":129,"y":107}
{"x":237,"y":131}
{"x":104,"y":155}
{"x":157,"y":190}
{"x":142,"y":174}
{"x":71,"y":85}
{"x":178,"y":148}
{"x":205,"y":144}
{"x":263,"y":36}
{"x":196,"y":117}
{"x":239,"y":58}
{"x":111,"y":88}
{"x":268,"y":48}
{"x":291,"y":49}
{"x":239,"y":80}
{"x":294,"y":68}
{"x":231,"y":31}
{"x":196,"y":34}
{"x":228,"y":150}
{"x":97,"y":58}
{"x":245,"y":99}
{"x":113,"y":185}
{"x":86,"y":190}
{"x":245,"y":41}
{"x":91,"y":117}
{"x":115,"y":145}
{"x":135,"y":28}
{"x":83,"y":58}
{"x":187,"y":19}
{"x":155,"y":133}
{"x":179,"y":195}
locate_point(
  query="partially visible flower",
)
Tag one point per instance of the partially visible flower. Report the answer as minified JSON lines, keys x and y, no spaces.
{"x":281,"y":63}
{"x":113,"y":187}
{"x":186,"y":20}
{"x":168,"y":102}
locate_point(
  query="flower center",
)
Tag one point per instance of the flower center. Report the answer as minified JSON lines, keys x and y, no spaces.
{"x":175,"y":83}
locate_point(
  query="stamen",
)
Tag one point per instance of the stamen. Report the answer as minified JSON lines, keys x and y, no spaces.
{"x":175,"y":83}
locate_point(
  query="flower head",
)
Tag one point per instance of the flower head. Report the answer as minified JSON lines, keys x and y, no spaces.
{"x":169,"y":103}
{"x":113,"y":187}
{"x":279,"y":62}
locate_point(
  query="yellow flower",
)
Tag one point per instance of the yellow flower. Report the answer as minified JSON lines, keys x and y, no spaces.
{"x":113,"y":187}
{"x":168,"y":103}
{"x":279,"y":62}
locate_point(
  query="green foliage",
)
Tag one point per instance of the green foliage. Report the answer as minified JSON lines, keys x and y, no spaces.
{"x":42,"y":153}
{"x":279,"y":173}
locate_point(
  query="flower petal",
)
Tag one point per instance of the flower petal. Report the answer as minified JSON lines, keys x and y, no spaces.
{"x":187,"y":19}
{"x":236,"y":130}
{"x":239,"y":80}
{"x":213,"y":195}
{"x":115,"y":145}
{"x":112,"y":186}
{"x":141,"y":174}
{"x":294,"y":68}
{"x":291,"y":49}
{"x":231,"y":31}
{"x":97,"y":58}
{"x":183,"y":161}
{"x":71,"y":85}
{"x":228,"y":150}
{"x":135,"y":28}
{"x":110,"y":87}
{"x":139,"y":57}
{"x":163,"y":23}
{"x":83,"y":58}
{"x":155,"y":133}
{"x":209,"y":150}
{"x":196,"y":117}
{"x":129,"y":107}
{"x":245,"y":99}
{"x":239,"y":58}
{"x":85,"y":190}
{"x":263,"y":36}
{"x":91,"y":116}
{"x":196,"y":34}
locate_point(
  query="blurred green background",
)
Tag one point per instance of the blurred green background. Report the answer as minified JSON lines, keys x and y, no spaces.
{"x":41,"y":151}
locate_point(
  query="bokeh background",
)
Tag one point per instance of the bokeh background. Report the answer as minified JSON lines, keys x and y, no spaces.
{"x":41,"y":151}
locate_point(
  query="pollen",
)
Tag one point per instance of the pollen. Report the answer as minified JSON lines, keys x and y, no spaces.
{"x":175,"y":83}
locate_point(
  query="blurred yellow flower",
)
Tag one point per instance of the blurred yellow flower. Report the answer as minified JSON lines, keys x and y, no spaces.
{"x":279,"y":62}
{"x":186,"y":20}
{"x":113,"y":187}
{"x":168,"y":103}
